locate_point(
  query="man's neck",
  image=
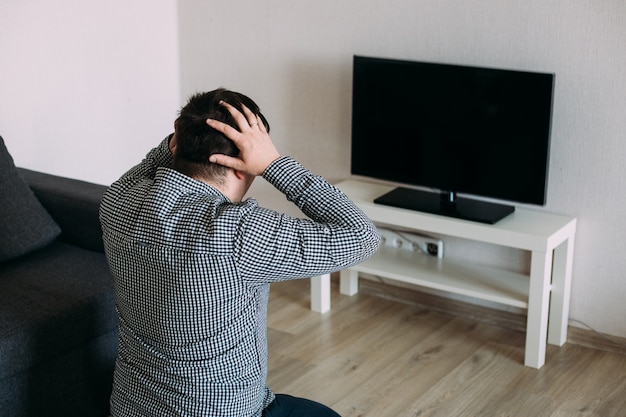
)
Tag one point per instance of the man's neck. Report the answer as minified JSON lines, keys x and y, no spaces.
{"x":233,"y":187}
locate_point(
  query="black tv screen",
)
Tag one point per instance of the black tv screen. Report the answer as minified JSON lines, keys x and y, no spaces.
{"x":452,"y":129}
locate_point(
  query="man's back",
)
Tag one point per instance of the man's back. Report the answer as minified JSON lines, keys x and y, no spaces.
{"x":190,"y":328}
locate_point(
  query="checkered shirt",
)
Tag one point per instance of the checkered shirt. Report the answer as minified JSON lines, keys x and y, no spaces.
{"x":192,"y":273}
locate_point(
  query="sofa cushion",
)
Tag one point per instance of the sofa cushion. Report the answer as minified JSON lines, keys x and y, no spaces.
{"x":24,"y":224}
{"x":73,"y":204}
{"x":53,"y":301}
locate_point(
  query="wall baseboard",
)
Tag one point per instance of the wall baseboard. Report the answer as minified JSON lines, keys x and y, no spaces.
{"x":514,"y":320}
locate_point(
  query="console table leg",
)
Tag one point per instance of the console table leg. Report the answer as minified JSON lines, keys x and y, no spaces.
{"x":348,"y":282}
{"x":538,"y":309}
{"x":320,"y":293}
{"x":561,"y":289}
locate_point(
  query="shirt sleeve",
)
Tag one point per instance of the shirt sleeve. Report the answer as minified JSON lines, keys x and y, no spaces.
{"x":110,"y":206}
{"x":272,"y":246}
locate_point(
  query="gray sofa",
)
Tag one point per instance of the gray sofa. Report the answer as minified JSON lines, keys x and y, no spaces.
{"x":58,"y":326}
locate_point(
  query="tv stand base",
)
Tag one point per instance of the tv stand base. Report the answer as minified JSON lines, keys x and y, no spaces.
{"x":445,"y":204}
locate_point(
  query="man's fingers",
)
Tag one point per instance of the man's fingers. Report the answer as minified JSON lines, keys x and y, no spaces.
{"x":250,"y":117}
{"x":225,"y":160}
{"x":256,"y":149}
{"x":228,"y":131}
{"x":260,"y":123}
{"x":245,"y":120}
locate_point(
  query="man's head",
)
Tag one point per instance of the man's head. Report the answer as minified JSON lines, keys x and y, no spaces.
{"x":196,"y":141}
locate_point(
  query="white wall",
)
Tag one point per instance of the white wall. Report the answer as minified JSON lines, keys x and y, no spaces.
{"x":294,"y":58}
{"x":87,"y":86}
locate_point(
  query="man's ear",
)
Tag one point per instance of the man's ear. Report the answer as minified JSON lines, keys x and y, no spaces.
{"x":239,"y":174}
{"x":173,"y":144}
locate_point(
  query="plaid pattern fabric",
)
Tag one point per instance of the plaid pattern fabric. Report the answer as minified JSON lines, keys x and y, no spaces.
{"x":192,"y":273}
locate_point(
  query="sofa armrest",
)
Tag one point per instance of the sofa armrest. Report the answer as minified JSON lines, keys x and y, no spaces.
{"x":73,"y":204}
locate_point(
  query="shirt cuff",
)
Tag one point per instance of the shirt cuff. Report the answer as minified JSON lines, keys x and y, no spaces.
{"x":284,"y":172}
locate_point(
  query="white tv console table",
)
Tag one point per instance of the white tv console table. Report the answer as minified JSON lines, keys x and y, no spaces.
{"x":545,"y":293}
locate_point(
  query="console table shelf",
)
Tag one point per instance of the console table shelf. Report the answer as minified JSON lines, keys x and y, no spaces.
{"x":544,"y":293}
{"x":479,"y":282}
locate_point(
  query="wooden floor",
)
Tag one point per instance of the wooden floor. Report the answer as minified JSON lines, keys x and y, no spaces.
{"x":375,"y":357}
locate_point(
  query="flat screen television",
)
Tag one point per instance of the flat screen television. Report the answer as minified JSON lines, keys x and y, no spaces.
{"x":440,"y":130}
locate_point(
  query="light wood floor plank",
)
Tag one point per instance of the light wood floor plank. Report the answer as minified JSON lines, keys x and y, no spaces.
{"x":374,"y":357}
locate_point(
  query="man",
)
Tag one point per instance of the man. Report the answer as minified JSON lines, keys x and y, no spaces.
{"x":192,"y":263}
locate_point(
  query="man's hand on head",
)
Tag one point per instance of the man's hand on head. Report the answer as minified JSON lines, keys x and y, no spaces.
{"x":256,"y":149}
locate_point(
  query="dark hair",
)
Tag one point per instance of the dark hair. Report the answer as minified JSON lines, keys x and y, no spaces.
{"x":196,"y":141}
